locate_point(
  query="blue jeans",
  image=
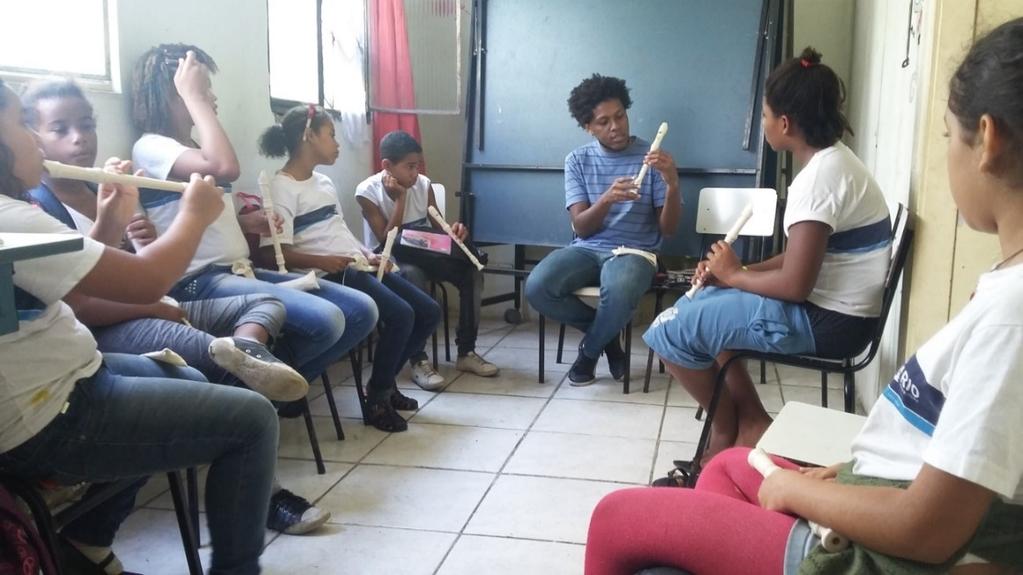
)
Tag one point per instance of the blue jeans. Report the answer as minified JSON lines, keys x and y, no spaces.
{"x":623,"y":280}
{"x":407,"y":317}
{"x":129,"y":420}
{"x":210,"y":318}
{"x":321,"y":326}
{"x":693,"y":332}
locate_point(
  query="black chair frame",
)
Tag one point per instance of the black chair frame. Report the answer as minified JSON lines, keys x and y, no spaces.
{"x":48,"y":524}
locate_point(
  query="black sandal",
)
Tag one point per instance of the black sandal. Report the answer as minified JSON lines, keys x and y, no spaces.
{"x":382,"y":416}
{"x":684,"y":475}
{"x":403,"y":402}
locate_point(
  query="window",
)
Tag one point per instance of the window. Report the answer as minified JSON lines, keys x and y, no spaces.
{"x":294,"y":50}
{"x":320,"y":53}
{"x":22,"y":55}
{"x":433,"y":32}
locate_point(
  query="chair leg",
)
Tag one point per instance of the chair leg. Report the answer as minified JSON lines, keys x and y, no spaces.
{"x":433,"y":337}
{"x":824,"y":389}
{"x":541,"y":336}
{"x":192,"y":488}
{"x":313,"y":441}
{"x":704,"y":442}
{"x":561,"y":344}
{"x":185,"y":524}
{"x":447,"y":330}
{"x":763,"y":372}
{"x":356,"y":359}
{"x":332,"y":403}
{"x":849,"y":391}
{"x":628,"y":358}
{"x":369,"y":348}
{"x":658,"y":302}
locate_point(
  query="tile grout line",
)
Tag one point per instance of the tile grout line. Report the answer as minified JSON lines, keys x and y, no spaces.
{"x":500,"y":470}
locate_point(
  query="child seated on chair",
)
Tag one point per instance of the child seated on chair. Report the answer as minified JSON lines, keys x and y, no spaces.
{"x":172,"y":94}
{"x":607,"y":211}
{"x":70,"y":414}
{"x":315,"y":236}
{"x":822,"y":296}
{"x":59,"y":112}
{"x":400,"y":195}
{"x":936,"y":481}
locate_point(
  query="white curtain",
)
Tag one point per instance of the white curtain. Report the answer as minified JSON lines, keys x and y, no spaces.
{"x":344,"y":52}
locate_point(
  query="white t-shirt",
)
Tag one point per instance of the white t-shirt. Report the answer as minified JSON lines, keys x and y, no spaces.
{"x":83,"y":223}
{"x":223,"y":242}
{"x":957,"y":404}
{"x":835,"y":188}
{"x":313,"y":222}
{"x":416,"y":201}
{"x":40,"y":363}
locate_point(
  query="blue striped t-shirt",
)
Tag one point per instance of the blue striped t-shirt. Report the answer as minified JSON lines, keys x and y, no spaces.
{"x":589,"y":172}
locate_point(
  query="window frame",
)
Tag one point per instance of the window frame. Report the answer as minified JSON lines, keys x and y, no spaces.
{"x":109,"y":81}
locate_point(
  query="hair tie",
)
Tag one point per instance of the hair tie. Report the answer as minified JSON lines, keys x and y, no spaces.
{"x":310,"y":112}
{"x":805,"y":63}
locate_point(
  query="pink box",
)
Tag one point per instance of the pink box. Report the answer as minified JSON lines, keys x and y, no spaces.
{"x":424,"y":240}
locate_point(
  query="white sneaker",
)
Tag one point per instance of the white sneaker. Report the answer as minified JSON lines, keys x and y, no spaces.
{"x":425,"y":377}
{"x":473,"y":363}
{"x":253,"y":364}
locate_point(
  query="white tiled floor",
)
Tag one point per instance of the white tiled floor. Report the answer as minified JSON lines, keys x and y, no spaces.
{"x":494,"y":476}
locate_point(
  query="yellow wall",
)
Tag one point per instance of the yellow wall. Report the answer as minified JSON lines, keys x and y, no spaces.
{"x":947,"y":256}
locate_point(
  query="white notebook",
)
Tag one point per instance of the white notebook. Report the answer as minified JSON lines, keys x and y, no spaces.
{"x":812,"y":434}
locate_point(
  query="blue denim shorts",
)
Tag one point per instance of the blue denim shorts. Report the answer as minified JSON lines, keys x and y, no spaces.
{"x":693,"y":332}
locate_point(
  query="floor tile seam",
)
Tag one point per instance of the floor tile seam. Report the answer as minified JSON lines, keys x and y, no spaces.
{"x":511,"y":454}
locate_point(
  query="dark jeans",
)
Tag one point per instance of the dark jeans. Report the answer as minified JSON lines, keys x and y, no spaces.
{"x":130,"y":419}
{"x":466,"y":278}
{"x":407,"y":318}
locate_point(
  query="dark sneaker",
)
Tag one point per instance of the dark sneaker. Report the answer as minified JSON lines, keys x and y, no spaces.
{"x":403,"y":402}
{"x":294,"y":515}
{"x":583,"y":370}
{"x":381,"y":415}
{"x":253,"y":364}
{"x":615,"y":359}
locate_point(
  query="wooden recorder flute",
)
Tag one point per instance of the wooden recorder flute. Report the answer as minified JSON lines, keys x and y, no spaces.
{"x":99,"y":176}
{"x":268,"y":208}
{"x":447,"y":228}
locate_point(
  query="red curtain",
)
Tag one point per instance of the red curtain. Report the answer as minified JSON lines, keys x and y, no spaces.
{"x":391,"y":72}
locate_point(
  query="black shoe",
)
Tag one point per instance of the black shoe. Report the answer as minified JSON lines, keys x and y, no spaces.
{"x":294,"y":515}
{"x":616,"y":359}
{"x":381,"y":415}
{"x":583,"y":370}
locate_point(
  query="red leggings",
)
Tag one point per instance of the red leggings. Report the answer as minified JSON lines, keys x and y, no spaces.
{"x":718,"y":527}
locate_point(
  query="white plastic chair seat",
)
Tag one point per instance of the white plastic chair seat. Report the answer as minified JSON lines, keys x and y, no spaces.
{"x":588,"y":291}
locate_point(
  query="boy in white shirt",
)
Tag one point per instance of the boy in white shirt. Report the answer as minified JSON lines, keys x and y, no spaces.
{"x":397,"y":196}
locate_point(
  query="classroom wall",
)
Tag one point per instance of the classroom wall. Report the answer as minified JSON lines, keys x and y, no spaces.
{"x":948,"y":257}
{"x":884,"y":107}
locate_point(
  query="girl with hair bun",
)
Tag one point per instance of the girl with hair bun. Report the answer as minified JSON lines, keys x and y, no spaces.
{"x":315,"y":236}
{"x":822,"y":296}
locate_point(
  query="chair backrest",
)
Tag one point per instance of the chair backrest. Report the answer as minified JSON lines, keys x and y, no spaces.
{"x":440,"y":194}
{"x":902,"y":240}
{"x":719,"y":208}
